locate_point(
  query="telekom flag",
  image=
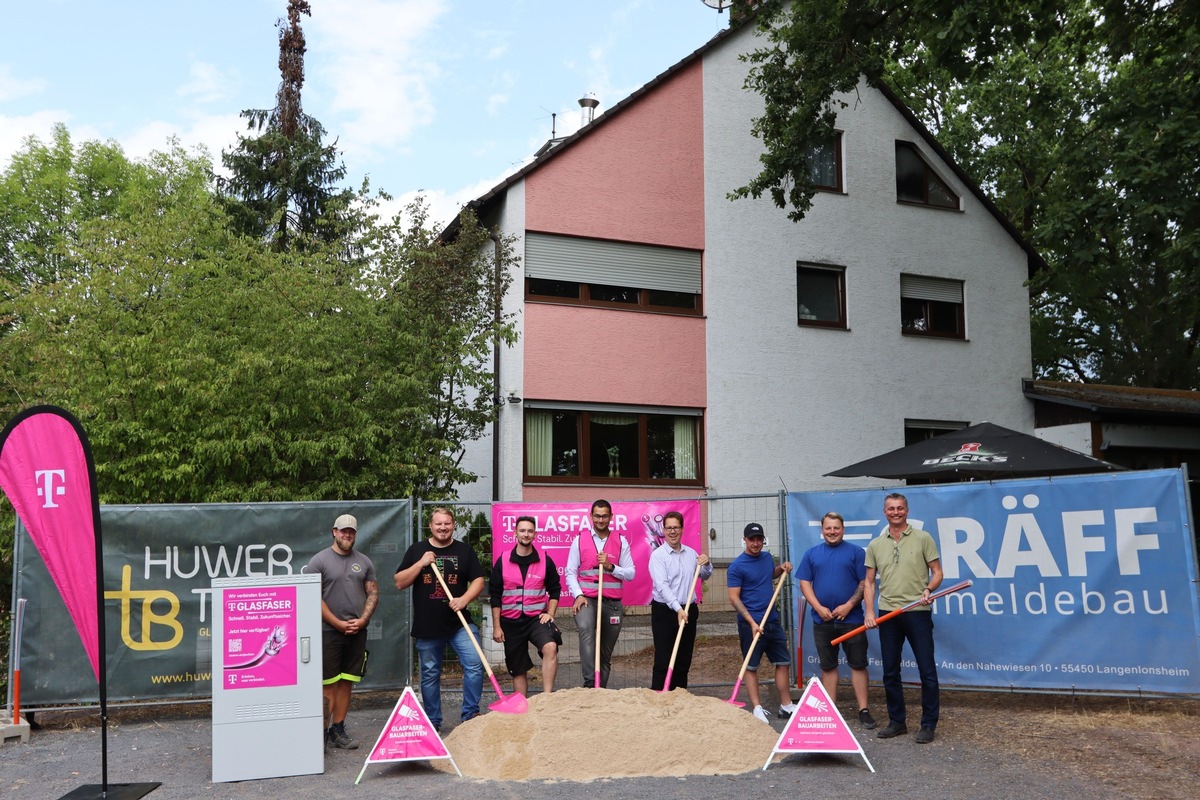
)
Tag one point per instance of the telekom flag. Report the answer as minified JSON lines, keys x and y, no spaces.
{"x":46,"y":472}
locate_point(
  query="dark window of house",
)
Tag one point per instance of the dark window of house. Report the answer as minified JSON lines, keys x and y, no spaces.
{"x":916,"y":182}
{"x":932,"y":307}
{"x":619,"y":446}
{"x":820,"y":295}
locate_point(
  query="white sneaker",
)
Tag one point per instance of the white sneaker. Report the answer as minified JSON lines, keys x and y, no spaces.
{"x":787,"y":711}
{"x":760,"y":714}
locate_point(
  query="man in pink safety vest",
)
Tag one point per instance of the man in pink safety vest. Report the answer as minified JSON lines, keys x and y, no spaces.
{"x":598,"y":555}
{"x":524,"y":588}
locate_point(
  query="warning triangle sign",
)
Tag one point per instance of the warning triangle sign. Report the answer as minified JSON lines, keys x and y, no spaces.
{"x":816,"y":726}
{"x":407,"y":736}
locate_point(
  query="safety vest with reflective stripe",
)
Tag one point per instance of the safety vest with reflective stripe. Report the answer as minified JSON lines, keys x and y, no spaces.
{"x":589,"y":565}
{"x":525,"y":595}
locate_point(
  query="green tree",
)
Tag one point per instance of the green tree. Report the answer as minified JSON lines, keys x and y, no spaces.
{"x":1079,"y":117}
{"x":441,"y":296}
{"x":283,"y":181}
{"x":207,"y":366}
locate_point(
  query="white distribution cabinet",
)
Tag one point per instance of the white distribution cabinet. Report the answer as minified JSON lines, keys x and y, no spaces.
{"x":267,"y":709}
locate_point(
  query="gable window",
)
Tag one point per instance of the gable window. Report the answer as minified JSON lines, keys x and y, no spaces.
{"x":597,"y":272}
{"x":932,"y":307}
{"x":916,"y":182}
{"x":820,"y":295}
{"x":615,"y":444}
{"x":825,"y":163}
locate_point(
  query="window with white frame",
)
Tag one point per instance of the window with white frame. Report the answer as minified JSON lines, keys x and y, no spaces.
{"x":617,"y":444}
{"x":820,"y":295}
{"x":932,"y":307}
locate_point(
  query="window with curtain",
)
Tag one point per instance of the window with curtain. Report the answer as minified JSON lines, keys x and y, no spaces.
{"x":825,"y":164}
{"x":619,"y":446}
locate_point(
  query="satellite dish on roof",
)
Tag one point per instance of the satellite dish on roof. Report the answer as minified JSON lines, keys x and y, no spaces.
{"x":719,"y":5}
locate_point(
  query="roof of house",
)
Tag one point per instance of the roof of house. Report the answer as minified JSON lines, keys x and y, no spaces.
{"x":1103,"y":398}
{"x":560,"y":145}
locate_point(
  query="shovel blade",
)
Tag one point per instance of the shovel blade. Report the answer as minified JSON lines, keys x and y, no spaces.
{"x":513,"y":704}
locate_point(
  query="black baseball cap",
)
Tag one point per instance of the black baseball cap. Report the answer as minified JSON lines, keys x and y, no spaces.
{"x":753,"y":530}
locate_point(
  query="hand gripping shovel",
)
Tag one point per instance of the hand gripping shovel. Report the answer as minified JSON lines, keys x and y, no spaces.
{"x":513,"y":704}
{"x":897,"y":612}
{"x":679,"y":633}
{"x":746,"y":661}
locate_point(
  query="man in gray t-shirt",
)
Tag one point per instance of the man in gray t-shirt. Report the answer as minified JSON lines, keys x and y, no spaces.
{"x":349,"y":594}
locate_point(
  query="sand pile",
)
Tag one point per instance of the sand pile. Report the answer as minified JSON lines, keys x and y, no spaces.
{"x":588,"y":734}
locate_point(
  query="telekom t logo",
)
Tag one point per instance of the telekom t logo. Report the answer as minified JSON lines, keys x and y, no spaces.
{"x":48,"y":490}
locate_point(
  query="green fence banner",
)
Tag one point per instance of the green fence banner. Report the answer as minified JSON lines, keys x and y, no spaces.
{"x":159,"y":563}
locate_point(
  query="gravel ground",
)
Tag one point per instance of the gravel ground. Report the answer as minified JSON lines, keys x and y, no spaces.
{"x":174,"y":748}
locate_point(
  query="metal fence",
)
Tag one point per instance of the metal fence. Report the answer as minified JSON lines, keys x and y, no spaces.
{"x":717,"y":655}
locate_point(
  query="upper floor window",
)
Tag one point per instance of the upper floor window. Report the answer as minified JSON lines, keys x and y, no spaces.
{"x":916,"y":182}
{"x":599,"y":272}
{"x":618,"y":445}
{"x":825,"y":163}
{"x":598,"y":294}
{"x":820,"y":295}
{"x":932,"y":307}
{"x":918,"y":430}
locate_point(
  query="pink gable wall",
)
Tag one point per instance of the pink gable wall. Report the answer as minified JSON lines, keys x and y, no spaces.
{"x":596,"y":355}
{"x":638,"y":177}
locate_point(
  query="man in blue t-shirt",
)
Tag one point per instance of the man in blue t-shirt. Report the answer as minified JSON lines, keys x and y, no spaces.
{"x":832,"y":579}
{"x":750,"y":580}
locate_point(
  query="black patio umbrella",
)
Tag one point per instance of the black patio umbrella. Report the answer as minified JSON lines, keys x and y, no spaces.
{"x":980,"y":451}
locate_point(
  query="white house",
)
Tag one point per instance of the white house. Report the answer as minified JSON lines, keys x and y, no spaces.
{"x":676,"y":343}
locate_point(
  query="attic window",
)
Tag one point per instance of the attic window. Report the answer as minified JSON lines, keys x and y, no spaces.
{"x":916,"y":182}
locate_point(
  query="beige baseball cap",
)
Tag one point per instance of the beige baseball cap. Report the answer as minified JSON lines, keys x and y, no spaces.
{"x":345,"y":521}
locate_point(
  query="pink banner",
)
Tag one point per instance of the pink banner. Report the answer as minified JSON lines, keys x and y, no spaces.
{"x":638,"y":521}
{"x":46,"y":472}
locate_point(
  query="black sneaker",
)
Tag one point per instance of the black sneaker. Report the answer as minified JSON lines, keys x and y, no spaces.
{"x":342,"y":741}
{"x":924,"y":736}
{"x":866,"y":720}
{"x":893,"y":729}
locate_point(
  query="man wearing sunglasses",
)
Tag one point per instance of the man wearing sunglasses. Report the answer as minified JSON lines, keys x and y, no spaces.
{"x":909,"y":569}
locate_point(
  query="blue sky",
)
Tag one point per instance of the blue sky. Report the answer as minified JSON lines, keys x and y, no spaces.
{"x":445,"y":97}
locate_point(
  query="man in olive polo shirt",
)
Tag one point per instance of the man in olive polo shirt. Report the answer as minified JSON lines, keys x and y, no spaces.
{"x":909,"y":569}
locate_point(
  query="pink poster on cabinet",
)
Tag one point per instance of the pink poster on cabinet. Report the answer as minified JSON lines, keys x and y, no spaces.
{"x":260,"y":637}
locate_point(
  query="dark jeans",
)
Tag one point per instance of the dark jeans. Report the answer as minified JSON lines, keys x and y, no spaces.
{"x":917,"y":628}
{"x":664,"y":624}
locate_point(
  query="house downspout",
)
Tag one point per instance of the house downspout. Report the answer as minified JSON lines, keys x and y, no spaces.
{"x":497,"y":400}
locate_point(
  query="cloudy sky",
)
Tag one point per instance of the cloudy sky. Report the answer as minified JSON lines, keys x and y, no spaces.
{"x":444,"y":97}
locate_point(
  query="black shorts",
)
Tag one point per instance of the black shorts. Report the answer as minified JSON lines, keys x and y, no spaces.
{"x":345,"y":657}
{"x":518,"y":635}
{"x":855,"y":648}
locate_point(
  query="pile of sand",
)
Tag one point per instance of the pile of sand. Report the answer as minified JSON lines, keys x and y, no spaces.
{"x":589,"y":734}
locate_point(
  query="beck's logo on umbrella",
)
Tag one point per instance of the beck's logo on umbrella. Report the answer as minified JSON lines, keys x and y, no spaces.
{"x":969,"y":453}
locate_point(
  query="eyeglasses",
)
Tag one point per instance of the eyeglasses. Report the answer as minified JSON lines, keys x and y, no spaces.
{"x":895,"y":554}
{"x":672,"y":527}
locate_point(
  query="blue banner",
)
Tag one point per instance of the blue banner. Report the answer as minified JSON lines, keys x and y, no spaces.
{"x":1081,"y":582}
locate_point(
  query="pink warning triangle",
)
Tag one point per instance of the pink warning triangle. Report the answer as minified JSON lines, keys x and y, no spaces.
{"x":816,"y":726}
{"x":408,"y":735}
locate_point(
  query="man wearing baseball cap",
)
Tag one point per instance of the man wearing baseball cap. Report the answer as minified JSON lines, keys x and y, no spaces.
{"x":349,"y":594}
{"x":750,"y":580}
